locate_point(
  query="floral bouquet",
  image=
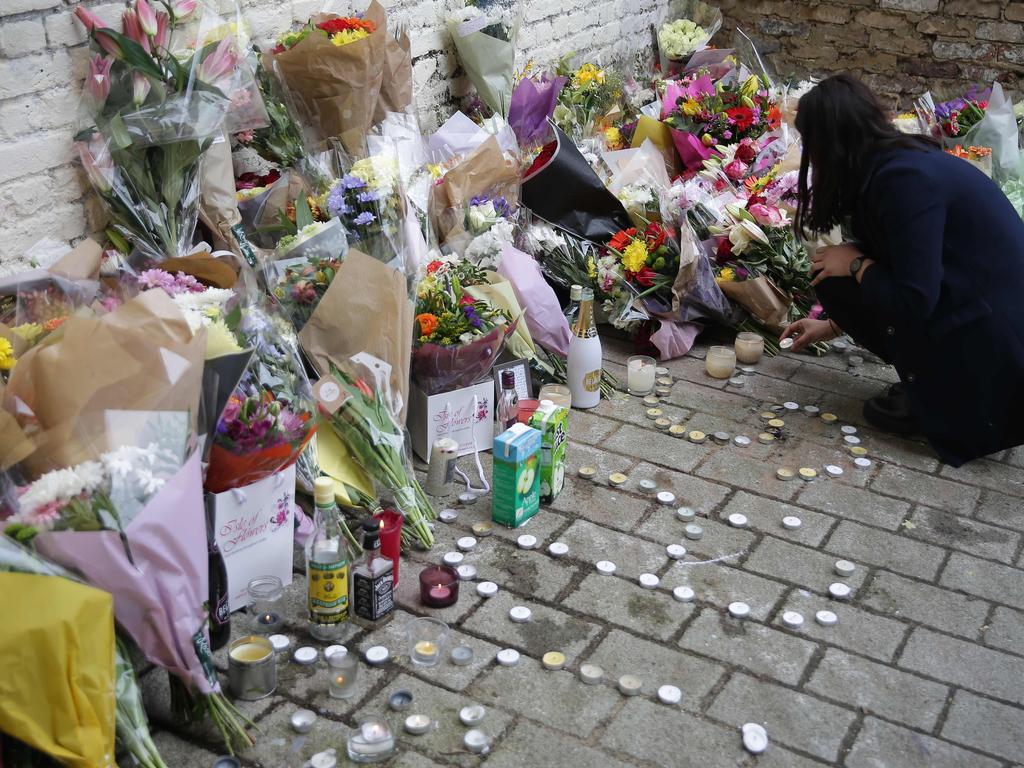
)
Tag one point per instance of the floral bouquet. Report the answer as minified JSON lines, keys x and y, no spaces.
{"x":333,"y":68}
{"x":703,"y":114}
{"x":74,"y":699}
{"x":304,"y":285}
{"x":366,"y":422}
{"x":490,"y":224}
{"x":155,"y":109}
{"x":269,"y":418}
{"x":457,"y":337}
{"x":108,"y":480}
{"x":957,"y":116}
{"x":979,"y":157}
{"x":533,"y":102}
{"x":484,"y":33}
{"x":589,"y":98}
{"x":686,"y":27}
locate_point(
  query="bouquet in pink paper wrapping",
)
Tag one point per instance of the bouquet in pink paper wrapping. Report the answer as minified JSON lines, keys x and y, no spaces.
{"x":105,"y":477}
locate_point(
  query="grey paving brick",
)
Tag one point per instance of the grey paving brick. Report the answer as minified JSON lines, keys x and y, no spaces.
{"x":805,"y":567}
{"x":824,"y":379}
{"x":621,"y":653}
{"x":926,"y":489}
{"x":177,"y":751}
{"x":556,"y":699}
{"x":589,"y":428}
{"x":854,"y":503}
{"x":589,"y":543}
{"x":532,"y":573}
{"x":653,"y":613}
{"x":689,"y":490}
{"x":683,"y":741}
{"x":657,"y":447}
{"x":547,"y":628}
{"x":771,"y":390}
{"x":989,"y":474}
{"x":857,"y":630}
{"x":766,"y":515}
{"x":706,"y":399}
{"x":907,"y":453}
{"x":802,"y":452}
{"x":999,"y":583}
{"x":721,"y":584}
{"x":547,"y":749}
{"x":985,"y":725}
{"x":882,"y":745}
{"x":443,"y":707}
{"x":632,"y":411}
{"x":594,"y":499}
{"x":753,"y":646}
{"x":878,"y":689}
{"x":288,"y":747}
{"x":971,"y":666}
{"x":751,"y":474}
{"x":408,"y":759}
{"x":1006,"y":630}
{"x":1001,"y":509}
{"x":887,"y":550}
{"x":794,"y":719}
{"x":917,"y":601}
{"x":719,"y":542}
{"x":955,"y":532}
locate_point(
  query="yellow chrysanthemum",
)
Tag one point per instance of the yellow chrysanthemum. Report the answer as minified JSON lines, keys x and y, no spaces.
{"x":592,"y":268}
{"x":7,"y":360}
{"x":691,"y":108}
{"x":587,"y":74}
{"x":635,"y":256}
{"x":220,"y":340}
{"x":613,"y":137}
{"x":727,"y":275}
{"x":346,"y":36}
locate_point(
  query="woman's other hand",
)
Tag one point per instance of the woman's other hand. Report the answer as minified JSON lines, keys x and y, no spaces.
{"x":833,"y":261}
{"x":807,"y":331}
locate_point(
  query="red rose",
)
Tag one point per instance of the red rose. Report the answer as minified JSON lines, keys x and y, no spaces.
{"x":746,"y":151}
{"x":542,"y":159}
{"x":433,"y":266}
{"x":723,"y":253}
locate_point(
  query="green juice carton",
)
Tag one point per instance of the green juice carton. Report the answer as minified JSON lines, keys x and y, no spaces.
{"x":515,"y":482}
{"x":553,"y":422}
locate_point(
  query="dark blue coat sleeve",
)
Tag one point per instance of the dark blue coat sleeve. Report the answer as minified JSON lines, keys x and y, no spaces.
{"x":909,"y":216}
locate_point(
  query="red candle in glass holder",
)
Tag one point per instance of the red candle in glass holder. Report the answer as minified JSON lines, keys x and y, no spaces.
{"x":439,"y":586}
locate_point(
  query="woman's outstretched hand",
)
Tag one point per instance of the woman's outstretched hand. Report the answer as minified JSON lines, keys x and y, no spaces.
{"x":833,"y":261}
{"x":807,"y":331}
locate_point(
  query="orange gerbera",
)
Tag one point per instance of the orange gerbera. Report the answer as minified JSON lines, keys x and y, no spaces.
{"x":428,"y":323}
{"x":622,"y":238}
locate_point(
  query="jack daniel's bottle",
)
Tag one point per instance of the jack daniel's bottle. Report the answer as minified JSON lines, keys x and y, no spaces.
{"x":373,"y":580}
{"x":584,"y":364}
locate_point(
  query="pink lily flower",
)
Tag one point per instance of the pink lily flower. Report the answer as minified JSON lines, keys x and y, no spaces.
{"x":163,"y":31}
{"x":140,"y":87}
{"x":97,"y":85}
{"x":89,"y":19}
{"x":218,"y":64}
{"x":107,"y":43}
{"x":133,"y":29}
{"x":97,"y":162}
{"x":147,"y":17}
{"x":182,"y":9}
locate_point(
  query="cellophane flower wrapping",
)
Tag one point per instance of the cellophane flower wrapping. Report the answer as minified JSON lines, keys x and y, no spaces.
{"x":157,"y":95}
{"x":532,"y":105}
{"x":457,"y":337}
{"x":485,"y":33}
{"x":270,"y":417}
{"x":367,"y":422}
{"x":686,"y":27}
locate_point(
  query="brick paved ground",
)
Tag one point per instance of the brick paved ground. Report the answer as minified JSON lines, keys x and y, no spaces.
{"x":925,"y":667}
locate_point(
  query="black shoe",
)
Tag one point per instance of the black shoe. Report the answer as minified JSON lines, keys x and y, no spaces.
{"x":891,"y":412}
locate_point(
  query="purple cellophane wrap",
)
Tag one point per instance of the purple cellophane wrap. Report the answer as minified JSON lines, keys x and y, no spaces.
{"x":158,"y":600}
{"x":544,"y":317}
{"x":532,"y":103}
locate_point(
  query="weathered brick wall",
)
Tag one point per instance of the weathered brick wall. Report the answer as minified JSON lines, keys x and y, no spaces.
{"x":901,"y":47}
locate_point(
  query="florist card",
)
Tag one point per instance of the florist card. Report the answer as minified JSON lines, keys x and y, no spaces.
{"x":254,"y":530}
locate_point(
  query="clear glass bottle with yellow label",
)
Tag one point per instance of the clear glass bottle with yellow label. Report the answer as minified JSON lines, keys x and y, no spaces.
{"x":328,"y":558}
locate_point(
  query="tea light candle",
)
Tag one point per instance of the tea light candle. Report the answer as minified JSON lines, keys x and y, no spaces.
{"x":591,"y":674}
{"x":508,"y":657}
{"x":426,"y":652}
{"x":605,"y":567}
{"x":720,"y":362}
{"x":417,"y":724}
{"x":487,"y":589}
{"x":453,"y":558}
{"x":527,"y":541}
{"x":640,"y":374}
{"x":466,"y":572}
{"x":553,"y":660}
{"x":371,"y":742}
{"x":439,"y":586}
{"x":749,"y":347}
{"x":466,"y":544}
{"x":652,"y":400}
{"x":302,"y":720}
{"x":472,"y":715}
{"x":476,"y":741}
{"x":520,"y":614}
{"x":461,"y":655}
{"x":447,"y":515}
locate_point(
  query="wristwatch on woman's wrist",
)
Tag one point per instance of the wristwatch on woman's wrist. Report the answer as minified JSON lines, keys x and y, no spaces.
{"x":855,"y":266}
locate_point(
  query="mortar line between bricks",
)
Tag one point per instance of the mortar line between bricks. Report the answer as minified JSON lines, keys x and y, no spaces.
{"x":850,"y":737}
{"x":947,"y":705}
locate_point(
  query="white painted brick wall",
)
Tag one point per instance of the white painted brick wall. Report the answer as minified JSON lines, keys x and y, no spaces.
{"x":43,"y":55}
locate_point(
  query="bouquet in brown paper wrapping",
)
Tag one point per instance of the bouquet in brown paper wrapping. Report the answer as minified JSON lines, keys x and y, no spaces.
{"x":333,"y":68}
{"x":365,"y":308}
{"x":396,"y":87}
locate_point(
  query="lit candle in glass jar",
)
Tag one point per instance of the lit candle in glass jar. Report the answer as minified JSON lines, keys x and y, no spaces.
{"x":640,"y":374}
{"x":427,"y":639}
{"x":342,"y":670}
{"x":749,"y":347}
{"x":426,"y":652}
{"x":721,"y":362}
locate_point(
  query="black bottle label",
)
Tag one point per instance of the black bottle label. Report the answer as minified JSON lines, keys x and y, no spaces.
{"x":374,"y":598}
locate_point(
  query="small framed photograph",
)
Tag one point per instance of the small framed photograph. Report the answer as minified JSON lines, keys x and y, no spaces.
{"x":521,"y":369}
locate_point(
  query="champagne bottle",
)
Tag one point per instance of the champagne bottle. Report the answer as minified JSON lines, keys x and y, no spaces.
{"x":327,"y":567}
{"x":584,"y":363}
{"x":219,"y":597}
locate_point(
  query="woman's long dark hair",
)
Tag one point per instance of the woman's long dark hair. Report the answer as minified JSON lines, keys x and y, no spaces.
{"x":842,"y":126}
